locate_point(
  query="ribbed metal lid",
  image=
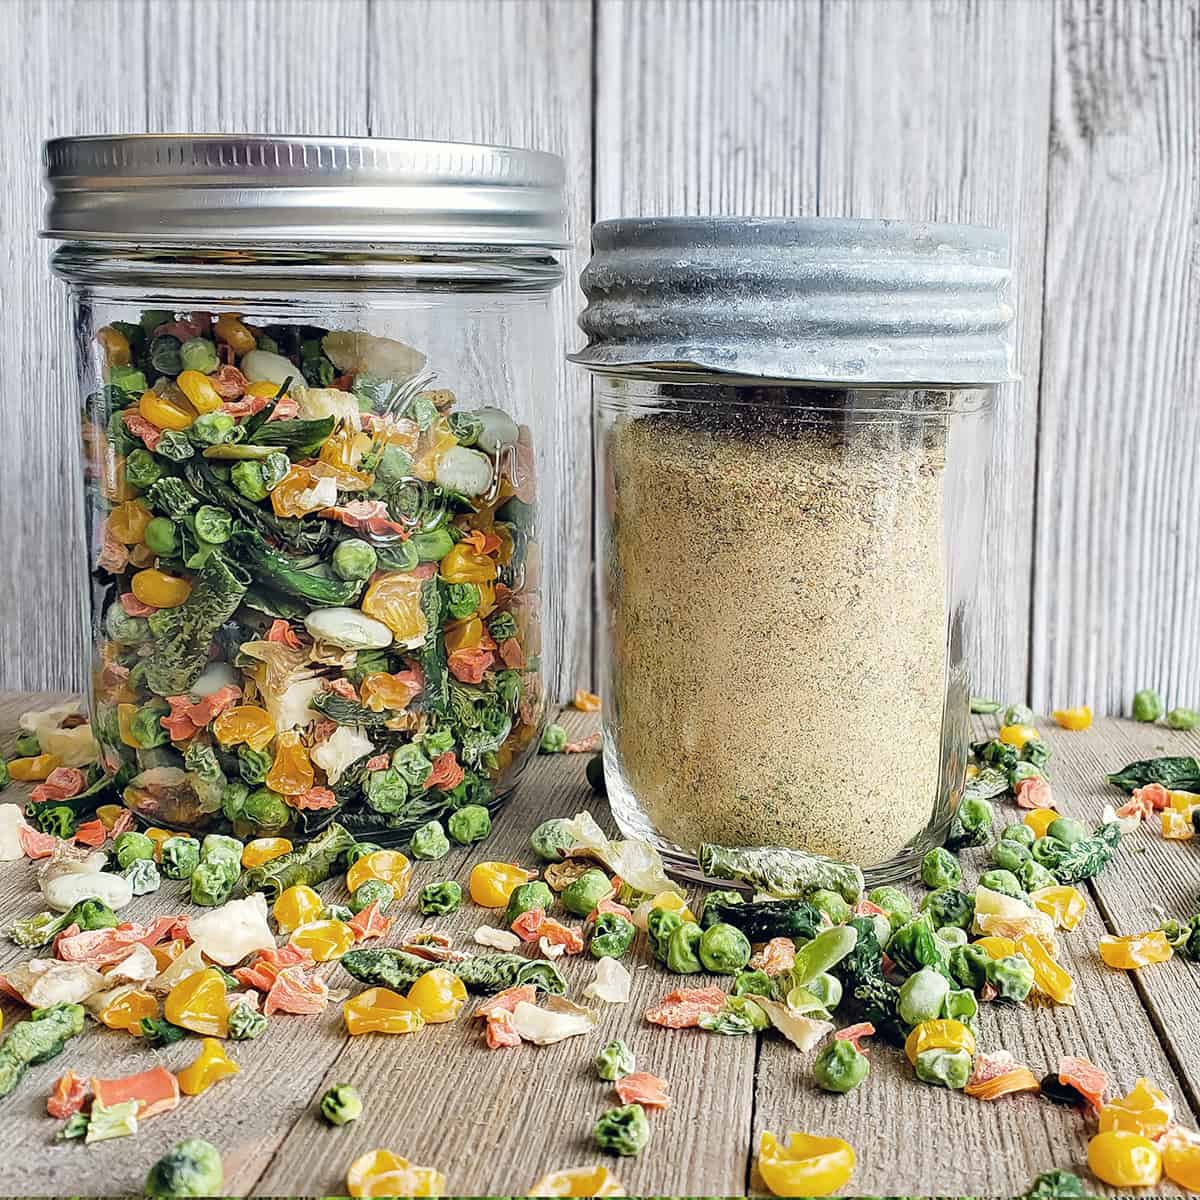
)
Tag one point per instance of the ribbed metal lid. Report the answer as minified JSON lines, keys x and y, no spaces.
{"x":816,"y":300}
{"x":214,"y":190}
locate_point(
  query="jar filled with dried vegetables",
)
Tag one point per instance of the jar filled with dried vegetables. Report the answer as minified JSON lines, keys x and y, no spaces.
{"x":792,"y":427}
{"x":318,"y":386}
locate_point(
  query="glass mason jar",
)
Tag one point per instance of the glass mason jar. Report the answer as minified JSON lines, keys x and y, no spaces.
{"x":792,"y":421}
{"x":317,"y":386}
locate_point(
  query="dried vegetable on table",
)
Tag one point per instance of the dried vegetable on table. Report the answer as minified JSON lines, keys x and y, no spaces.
{"x":811,"y":952}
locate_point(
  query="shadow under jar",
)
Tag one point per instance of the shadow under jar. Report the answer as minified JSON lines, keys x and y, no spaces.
{"x":318,"y":382}
{"x":793,"y":424}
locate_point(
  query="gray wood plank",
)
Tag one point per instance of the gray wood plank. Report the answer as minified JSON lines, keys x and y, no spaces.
{"x":264,"y":1121}
{"x":54,"y":83}
{"x":495,"y":1121}
{"x":997,"y":1148}
{"x":257,"y":66}
{"x":246,"y":1116}
{"x":1151,"y":879}
{"x":936,"y":111}
{"x":1116,"y":540}
{"x":516,"y":72}
{"x":708,"y":107}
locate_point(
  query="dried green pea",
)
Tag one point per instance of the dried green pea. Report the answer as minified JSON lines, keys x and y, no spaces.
{"x":1147,"y":706}
{"x":612,"y":936}
{"x":840,"y":1067}
{"x":554,"y":738}
{"x":949,"y":906}
{"x":944,"y":1068}
{"x":581,"y":896}
{"x":724,"y":949}
{"x":1020,"y":833}
{"x":552,"y":839}
{"x":1067,"y":830}
{"x":661,"y":923}
{"x":341,"y":1104}
{"x":950,"y":936}
{"x":1002,"y":881}
{"x":1034,"y":876}
{"x":369,"y":892}
{"x":212,"y":884}
{"x":922,"y":996}
{"x":1011,"y":976}
{"x":179,"y":856}
{"x":961,"y":1005}
{"x":939,"y":869}
{"x":895,"y":903}
{"x":429,"y":842}
{"x":832,"y":904}
{"x":130,"y":846}
{"x":437,"y":899}
{"x":1010,"y":854}
{"x":525,"y":897}
{"x":1183,"y":719}
{"x":624,"y":1131}
{"x":471,"y":823}
{"x":753,"y":983}
{"x":683,"y":949}
{"x":968,"y":965}
{"x":614,"y":1061}
{"x":143,"y":877}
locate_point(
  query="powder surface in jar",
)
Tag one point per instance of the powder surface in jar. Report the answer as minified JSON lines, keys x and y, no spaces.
{"x":778,"y":629}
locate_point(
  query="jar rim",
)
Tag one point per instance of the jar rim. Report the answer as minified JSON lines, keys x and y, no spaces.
{"x":238,"y":190}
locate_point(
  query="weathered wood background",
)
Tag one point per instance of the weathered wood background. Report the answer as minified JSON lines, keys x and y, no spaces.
{"x":1072,"y":123}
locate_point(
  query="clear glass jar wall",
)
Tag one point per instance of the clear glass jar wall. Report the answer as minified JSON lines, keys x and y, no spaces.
{"x":786,"y":579}
{"x":316,"y":495}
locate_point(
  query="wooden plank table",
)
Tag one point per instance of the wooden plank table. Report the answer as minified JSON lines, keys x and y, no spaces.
{"x":493,"y":1122}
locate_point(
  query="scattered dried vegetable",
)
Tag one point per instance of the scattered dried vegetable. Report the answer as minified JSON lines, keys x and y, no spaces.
{"x":797,"y":983}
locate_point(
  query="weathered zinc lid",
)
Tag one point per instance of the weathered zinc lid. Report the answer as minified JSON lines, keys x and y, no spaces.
{"x":219,"y":190}
{"x":813,"y":300}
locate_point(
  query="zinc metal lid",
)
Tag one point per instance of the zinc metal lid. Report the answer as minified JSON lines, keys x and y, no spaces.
{"x":816,"y":300}
{"x":216,"y":190}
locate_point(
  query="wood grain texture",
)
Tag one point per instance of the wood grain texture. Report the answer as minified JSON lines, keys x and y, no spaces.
{"x":438,"y":1097}
{"x":495,"y":1121}
{"x":708,"y":107}
{"x":1154,"y":878}
{"x":444,"y":1100}
{"x":301,"y":66}
{"x":1116,"y":545}
{"x":516,"y":72}
{"x":1131,"y":1025}
{"x":939,"y":111}
{"x":283,"y":66}
{"x":51,"y":85}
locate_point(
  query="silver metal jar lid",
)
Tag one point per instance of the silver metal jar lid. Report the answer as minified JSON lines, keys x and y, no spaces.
{"x":812,"y":300}
{"x":214,"y":190}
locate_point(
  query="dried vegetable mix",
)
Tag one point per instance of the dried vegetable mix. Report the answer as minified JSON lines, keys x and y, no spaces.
{"x":312,"y":582}
{"x":885,"y":968}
